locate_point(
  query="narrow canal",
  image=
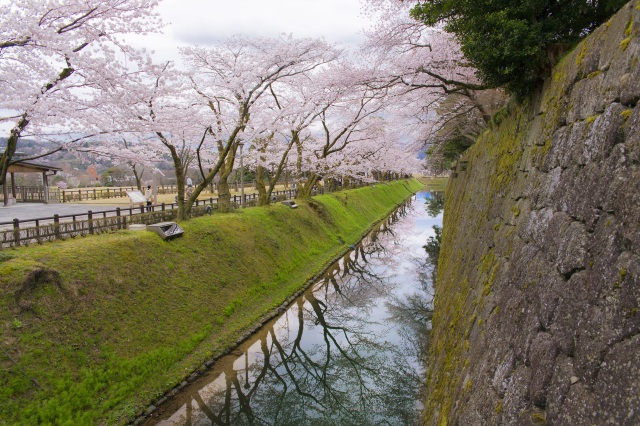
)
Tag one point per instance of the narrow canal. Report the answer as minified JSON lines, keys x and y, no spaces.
{"x":350,"y":351}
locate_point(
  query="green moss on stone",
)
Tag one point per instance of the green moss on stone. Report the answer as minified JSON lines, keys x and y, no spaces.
{"x":623,"y":274}
{"x":581,"y":54}
{"x":625,"y":43}
{"x":539,"y":418}
{"x":628,"y":28}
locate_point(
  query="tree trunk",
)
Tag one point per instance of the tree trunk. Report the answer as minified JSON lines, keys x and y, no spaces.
{"x":138,"y":177}
{"x":10,"y":150}
{"x":298,"y":177}
{"x":263,"y":200}
{"x":224,"y":193}
{"x":331,"y":185}
{"x":179,"y":171}
{"x":283,"y":161}
{"x":226,"y":156}
{"x":306,"y":190}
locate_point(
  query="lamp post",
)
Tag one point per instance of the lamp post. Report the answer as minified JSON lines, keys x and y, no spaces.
{"x":241,"y":144}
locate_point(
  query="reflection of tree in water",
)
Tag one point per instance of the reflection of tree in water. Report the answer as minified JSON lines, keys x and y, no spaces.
{"x":414,"y":310}
{"x":432,"y":249}
{"x":327,"y":360}
{"x":435,"y":203}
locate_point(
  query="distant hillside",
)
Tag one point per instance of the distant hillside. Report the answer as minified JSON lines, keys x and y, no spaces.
{"x":73,"y":163}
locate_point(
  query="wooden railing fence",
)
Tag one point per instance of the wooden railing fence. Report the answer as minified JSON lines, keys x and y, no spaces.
{"x":59,"y":227}
{"x":75,"y":195}
{"x":35,"y":194}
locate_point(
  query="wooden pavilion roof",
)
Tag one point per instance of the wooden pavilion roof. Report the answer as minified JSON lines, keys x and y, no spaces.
{"x":29,"y":167}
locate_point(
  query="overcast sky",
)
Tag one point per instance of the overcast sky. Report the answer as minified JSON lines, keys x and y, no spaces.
{"x":204,"y":22}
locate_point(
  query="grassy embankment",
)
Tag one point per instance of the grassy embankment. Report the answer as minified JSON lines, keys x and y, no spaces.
{"x":106,"y":324}
{"x":434,"y":183}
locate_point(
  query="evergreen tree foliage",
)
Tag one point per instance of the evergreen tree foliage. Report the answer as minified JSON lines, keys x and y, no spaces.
{"x":433,"y":251}
{"x":514,"y":44}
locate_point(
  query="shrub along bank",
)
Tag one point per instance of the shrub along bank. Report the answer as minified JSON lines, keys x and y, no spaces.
{"x":93,"y":329}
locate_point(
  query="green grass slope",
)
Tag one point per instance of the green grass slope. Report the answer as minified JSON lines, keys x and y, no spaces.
{"x":94,"y":329}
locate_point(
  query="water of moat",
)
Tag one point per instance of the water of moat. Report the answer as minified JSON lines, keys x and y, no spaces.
{"x":350,"y":351}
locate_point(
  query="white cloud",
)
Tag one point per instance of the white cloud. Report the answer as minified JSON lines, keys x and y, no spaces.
{"x":206,"y":21}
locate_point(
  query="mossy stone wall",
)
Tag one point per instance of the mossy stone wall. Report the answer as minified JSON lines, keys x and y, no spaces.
{"x":537,"y":301}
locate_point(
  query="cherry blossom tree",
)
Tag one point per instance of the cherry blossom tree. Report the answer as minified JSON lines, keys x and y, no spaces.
{"x":156,"y":110}
{"x":203,"y":114}
{"x":231,"y":80}
{"x":433,"y":85}
{"x":55,"y":58}
{"x":377,"y":155}
{"x":295,"y":108}
{"x":349,"y":113}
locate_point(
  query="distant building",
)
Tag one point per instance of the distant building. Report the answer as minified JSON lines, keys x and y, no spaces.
{"x":92,"y":171}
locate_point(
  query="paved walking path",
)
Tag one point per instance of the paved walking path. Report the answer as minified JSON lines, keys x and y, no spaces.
{"x":26,"y":211}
